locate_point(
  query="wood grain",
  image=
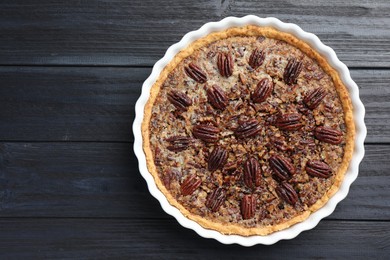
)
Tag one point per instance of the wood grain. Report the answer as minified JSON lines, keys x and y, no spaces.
{"x":68,"y":103}
{"x":70,"y":74}
{"x":138,"y":32}
{"x":166,"y":239}
{"x":102,"y":180}
{"x":97,"y":103}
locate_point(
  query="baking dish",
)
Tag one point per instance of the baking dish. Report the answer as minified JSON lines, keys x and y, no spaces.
{"x":331,"y":58}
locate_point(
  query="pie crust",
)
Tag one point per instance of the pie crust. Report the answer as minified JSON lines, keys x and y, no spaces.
{"x":268,"y":32}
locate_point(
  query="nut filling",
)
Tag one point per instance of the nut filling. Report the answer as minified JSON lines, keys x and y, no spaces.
{"x":247,"y":130}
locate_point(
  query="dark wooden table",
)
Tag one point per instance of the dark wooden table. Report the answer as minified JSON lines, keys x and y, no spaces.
{"x":70,"y":73}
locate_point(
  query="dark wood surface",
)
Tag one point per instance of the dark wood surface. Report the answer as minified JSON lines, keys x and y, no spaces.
{"x":70,"y":74}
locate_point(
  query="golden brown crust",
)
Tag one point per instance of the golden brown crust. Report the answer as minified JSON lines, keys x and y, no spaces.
{"x":305,"y":48}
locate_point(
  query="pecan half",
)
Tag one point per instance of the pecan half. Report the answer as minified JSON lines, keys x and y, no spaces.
{"x":215,"y":199}
{"x":179,"y":100}
{"x":263,"y":90}
{"x":178,"y":143}
{"x":256,"y":59}
{"x":328,"y":134}
{"x":189,"y":185}
{"x":292,"y":70}
{"x":206,"y":133}
{"x":248,"y":206}
{"x":287,"y":193}
{"x":217,"y":158}
{"x":225,"y":64}
{"x":252,"y":172}
{"x":289,"y":122}
{"x":248,"y":129}
{"x":217,"y":97}
{"x":194,"y":72}
{"x":318,"y":169}
{"x":314,"y":98}
{"x":282,"y":168}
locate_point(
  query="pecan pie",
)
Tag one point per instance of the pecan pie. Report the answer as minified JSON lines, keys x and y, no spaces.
{"x":248,"y":131}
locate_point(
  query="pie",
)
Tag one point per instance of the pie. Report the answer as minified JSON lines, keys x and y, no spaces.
{"x":248,"y":131}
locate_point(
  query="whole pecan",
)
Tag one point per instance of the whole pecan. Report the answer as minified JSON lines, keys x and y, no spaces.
{"x":248,"y":206}
{"x":292,"y":70}
{"x":217,"y":97}
{"x":289,"y":122}
{"x":206,"y":133}
{"x":314,"y":98}
{"x":215,"y":199}
{"x":263,"y":90}
{"x":179,"y":100}
{"x":194,"y":72}
{"x":225,"y":64}
{"x":248,"y":129}
{"x":282,"y":167}
{"x":328,"y":134}
{"x":318,"y":169}
{"x":190,"y":184}
{"x":217,"y":158}
{"x":287,"y":193}
{"x":178,"y":143}
{"x":256,"y":59}
{"x":252,"y":172}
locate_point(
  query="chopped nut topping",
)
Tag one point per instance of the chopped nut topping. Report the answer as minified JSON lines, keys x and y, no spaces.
{"x":248,"y":131}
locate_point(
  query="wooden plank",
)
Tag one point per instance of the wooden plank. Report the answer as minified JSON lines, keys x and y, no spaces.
{"x":138,"y":32}
{"x":367,"y":197}
{"x":374,"y":92}
{"x":97,"y":104}
{"x":68,"y":104}
{"x":165,"y":239}
{"x":102,"y":180}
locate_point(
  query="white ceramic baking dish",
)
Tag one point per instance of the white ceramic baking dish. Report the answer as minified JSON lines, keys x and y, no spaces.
{"x":332,"y":59}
